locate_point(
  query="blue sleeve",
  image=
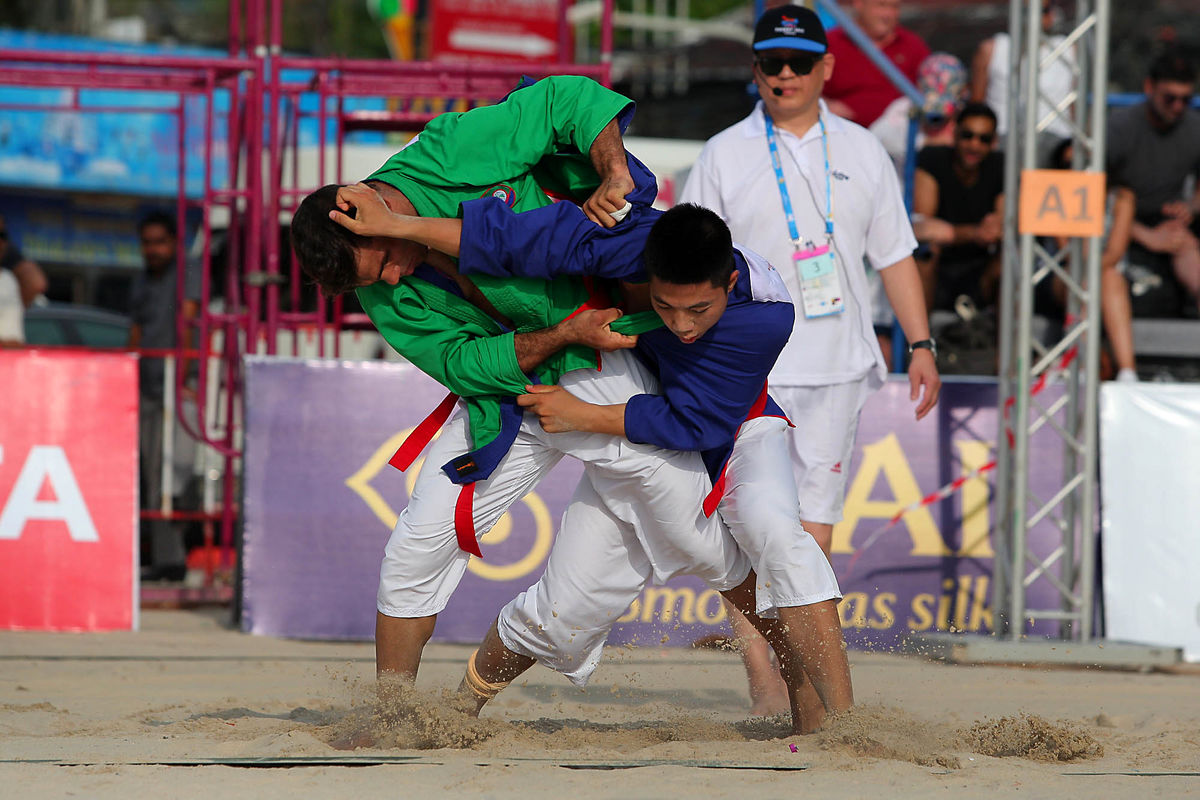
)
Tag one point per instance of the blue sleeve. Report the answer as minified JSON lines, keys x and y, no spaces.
{"x":551,"y":241}
{"x":709,"y":387}
{"x":683,"y":420}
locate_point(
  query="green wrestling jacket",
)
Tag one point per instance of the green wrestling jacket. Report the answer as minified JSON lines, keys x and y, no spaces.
{"x":535,"y":141}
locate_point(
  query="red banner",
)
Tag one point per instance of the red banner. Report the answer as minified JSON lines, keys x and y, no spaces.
{"x":494,"y":30}
{"x":68,"y":490}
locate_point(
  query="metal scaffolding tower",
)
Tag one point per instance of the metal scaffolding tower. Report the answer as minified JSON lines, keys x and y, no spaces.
{"x":1066,"y":363}
{"x":1024,"y":360}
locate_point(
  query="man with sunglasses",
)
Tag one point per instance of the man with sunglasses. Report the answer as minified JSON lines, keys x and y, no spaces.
{"x":816,"y":195}
{"x":962,"y":186}
{"x":1154,"y":148}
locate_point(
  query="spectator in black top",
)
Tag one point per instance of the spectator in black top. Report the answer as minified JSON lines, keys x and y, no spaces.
{"x":1154,"y":149}
{"x":153,"y":308}
{"x":958,"y":210}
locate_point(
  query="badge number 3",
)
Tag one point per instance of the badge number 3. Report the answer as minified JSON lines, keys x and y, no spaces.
{"x":819,"y":285}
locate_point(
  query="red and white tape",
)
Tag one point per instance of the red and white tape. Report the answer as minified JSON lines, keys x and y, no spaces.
{"x":953,"y":486}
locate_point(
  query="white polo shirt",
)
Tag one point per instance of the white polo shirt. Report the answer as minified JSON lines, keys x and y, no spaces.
{"x":12,"y":310}
{"x":733,"y":176}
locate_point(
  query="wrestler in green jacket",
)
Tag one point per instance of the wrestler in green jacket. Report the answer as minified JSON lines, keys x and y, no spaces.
{"x":535,"y":141}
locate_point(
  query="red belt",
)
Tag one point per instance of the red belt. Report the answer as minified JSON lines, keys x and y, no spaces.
{"x":718,"y":491}
{"x":414,"y":443}
{"x":422,"y":435}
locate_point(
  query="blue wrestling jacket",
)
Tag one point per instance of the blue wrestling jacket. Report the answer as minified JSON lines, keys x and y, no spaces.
{"x":709,"y":387}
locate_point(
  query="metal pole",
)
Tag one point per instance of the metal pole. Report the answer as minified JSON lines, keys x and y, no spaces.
{"x":270,"y":195}
{"x":606,"y":42}
{"x":1087,"y":572}
{"x":1003,"y":580}
{"x":1024,"y":339}
{"x":1073,"y":460}
{"x":167,"y":467}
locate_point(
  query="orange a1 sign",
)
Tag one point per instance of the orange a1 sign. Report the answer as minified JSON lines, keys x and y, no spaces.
{"x":1061,"y":202}
{"x":68,"y":490}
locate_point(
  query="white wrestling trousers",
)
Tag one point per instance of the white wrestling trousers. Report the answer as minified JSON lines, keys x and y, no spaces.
{"x":423,"y":564}
{"x":597,"y":567}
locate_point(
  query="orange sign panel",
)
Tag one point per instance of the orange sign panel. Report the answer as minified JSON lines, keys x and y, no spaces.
{"x":1061,"y":202}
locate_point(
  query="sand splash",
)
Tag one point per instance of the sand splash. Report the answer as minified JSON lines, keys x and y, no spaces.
{"x":1030,"y":736}
{"x":399,"y":716}
{"x":405,"y":718}
{"x":881,"y":732}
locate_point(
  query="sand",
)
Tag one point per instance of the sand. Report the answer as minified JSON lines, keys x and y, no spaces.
{"x":188,"y":706}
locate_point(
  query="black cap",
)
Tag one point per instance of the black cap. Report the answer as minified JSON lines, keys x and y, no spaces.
{"x":790,"y":26}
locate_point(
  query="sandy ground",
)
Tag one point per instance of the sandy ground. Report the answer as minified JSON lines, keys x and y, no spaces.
{"x":180,"y":708}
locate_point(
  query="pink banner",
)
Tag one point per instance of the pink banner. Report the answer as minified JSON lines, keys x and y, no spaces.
{"x":68,"y":490}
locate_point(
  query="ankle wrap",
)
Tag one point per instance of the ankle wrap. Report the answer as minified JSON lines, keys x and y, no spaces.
{"x":478,"y":686}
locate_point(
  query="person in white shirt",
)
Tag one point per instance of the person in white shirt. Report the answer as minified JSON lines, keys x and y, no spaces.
{"x":816,"y":194}
{"x":990,"y":69}
{"x":21,"y":281}
{"x":12,"y":310}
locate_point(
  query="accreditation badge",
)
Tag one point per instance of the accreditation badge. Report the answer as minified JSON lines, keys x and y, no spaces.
{"x":820,"y":287}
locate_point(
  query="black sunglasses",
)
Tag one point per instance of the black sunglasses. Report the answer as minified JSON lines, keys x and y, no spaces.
{"x":1170,"y":98}
{"x":801,"y":64}
{"x":968,"y":135}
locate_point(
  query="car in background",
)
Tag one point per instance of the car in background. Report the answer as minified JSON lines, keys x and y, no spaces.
{"x":75,"y":326}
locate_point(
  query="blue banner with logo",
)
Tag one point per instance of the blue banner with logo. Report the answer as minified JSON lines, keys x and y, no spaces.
{"x":137,"y":148}
{"x":321,"y":500}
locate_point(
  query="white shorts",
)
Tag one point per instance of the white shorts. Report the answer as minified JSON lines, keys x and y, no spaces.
{"x":822,"y":443}
{"x":656,"y":489}
{"x":763,"y":514}
{"x":596,"y":569}
{"x":598,"y":566}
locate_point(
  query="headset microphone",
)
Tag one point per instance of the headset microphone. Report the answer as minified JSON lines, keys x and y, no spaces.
{"x":777,"y":92}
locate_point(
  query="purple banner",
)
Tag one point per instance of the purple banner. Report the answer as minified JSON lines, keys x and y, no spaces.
{"x":321,"y":500}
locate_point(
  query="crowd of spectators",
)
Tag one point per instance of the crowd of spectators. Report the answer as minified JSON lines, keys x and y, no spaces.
{"x":1151,"y":257}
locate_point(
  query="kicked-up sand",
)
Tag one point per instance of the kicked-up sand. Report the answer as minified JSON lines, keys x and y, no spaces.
{"x":188,"y":707}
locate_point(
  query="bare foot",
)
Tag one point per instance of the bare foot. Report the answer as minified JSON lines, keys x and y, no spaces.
{"x":809,"y":723}
{"x":771,"y":703}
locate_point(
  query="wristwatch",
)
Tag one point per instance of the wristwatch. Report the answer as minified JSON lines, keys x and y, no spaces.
{"x":924,"y":344}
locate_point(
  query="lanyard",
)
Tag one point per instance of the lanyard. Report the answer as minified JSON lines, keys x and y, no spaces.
{"x":782,"y":183}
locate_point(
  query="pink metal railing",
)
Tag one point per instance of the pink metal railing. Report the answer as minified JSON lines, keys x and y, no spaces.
{"x":261,"y":132}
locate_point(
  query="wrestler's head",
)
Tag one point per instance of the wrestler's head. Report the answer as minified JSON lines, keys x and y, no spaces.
{"x":339,"y":260}
{"x":689,"y":259}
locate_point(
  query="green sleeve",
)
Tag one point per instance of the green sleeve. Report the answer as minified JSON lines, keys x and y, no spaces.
{"x":638,"y":322}
{"x":499,"y":142}
{"x":464,"y":358}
